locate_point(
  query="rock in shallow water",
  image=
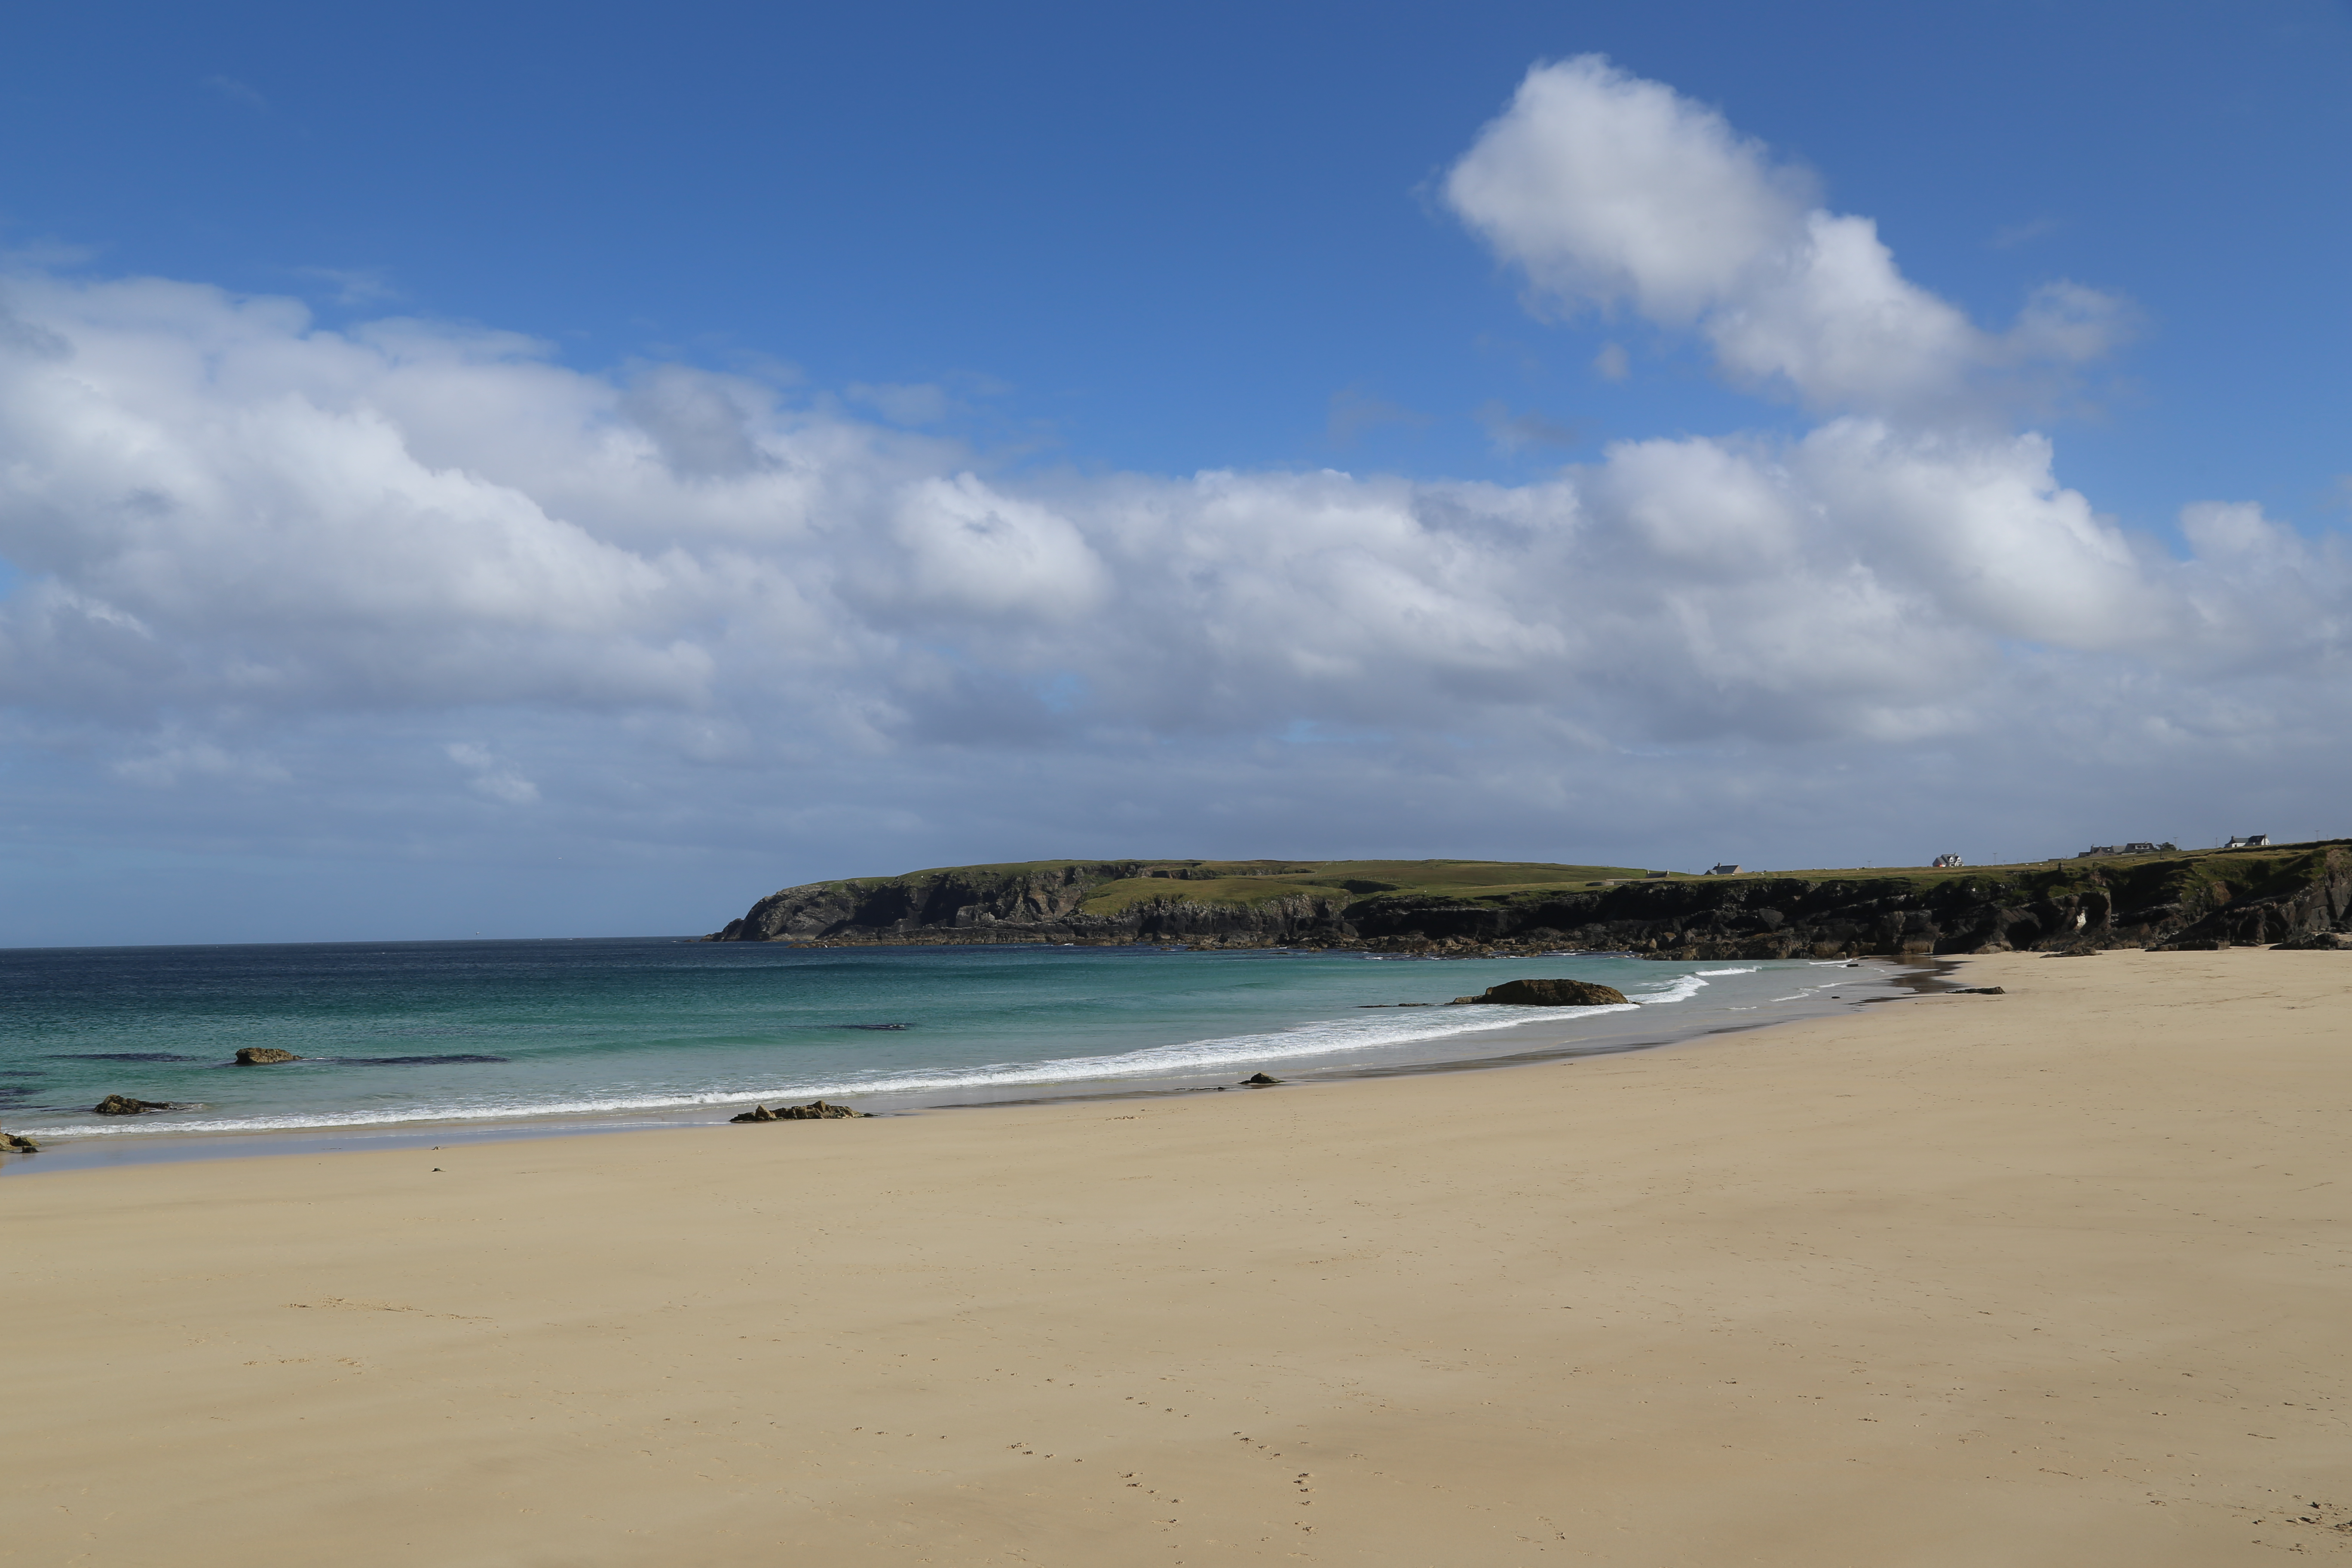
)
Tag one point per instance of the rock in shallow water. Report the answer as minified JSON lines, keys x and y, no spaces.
{"x":814,"y":1110}
{"x":263,"y":1056}
{"x":1547,"y":994}
{"x":17,"y":1143}
{"x":124,"y":1105}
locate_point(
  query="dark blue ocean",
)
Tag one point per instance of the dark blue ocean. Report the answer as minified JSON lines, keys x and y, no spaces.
{"x":474,"y":1033}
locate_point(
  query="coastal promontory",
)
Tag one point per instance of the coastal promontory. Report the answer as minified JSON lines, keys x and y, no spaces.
{"x":2296,"y":893}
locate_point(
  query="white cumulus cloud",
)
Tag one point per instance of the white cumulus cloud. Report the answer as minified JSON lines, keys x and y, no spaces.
{"x":258,"y":555}
{"x":1609,"y":190}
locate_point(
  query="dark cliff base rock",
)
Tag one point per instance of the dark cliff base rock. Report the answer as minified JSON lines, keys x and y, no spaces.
{"x":2190,"y":901}
{"x":123,"y":1105}
{"x":2319,"y":942}
{"x":17,"y":1143}
{"x":263,"y":1056}
{"x":814,"y":1110}
{"x":1547,"y":994}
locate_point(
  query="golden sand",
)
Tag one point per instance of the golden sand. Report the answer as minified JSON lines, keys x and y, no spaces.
{"x":2057,"y":1278}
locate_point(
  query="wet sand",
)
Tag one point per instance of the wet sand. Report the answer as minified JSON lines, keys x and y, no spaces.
{"x":2055,"y":1277}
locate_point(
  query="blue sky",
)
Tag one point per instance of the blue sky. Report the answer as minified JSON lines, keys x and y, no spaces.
{"x":1081,"y":255}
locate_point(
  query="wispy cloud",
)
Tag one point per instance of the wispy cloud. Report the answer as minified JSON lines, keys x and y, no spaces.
{"x":1516,"y":432}
{"x":230,"y":90}
{"x":166,"y":765}
{"x":922,"y":402}
{"x":1354,"y":411}
{"x":491,"y":779}
{"x":2018,"y":234}
{"x":352,"y":286}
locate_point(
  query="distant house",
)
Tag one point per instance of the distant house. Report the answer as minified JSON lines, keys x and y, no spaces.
{"x":2249,"y":841}
{"x":2098,"y":849}
{"x":2137,"y":846}
{"x":1948,"y":863}
{"x":1723,"y":871}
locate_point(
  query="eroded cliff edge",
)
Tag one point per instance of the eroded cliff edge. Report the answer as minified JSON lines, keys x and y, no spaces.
{"x":2193,"y":898}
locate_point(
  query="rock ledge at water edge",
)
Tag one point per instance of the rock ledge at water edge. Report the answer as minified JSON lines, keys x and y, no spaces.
{"x":1547,"y":994}
{"x":814,"y":1110}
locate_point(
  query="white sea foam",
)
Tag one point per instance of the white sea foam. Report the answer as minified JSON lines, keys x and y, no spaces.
{"x":1681,"y":988}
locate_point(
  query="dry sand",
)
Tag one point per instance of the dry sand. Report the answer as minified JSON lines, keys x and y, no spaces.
{"x":2058,"y":1277}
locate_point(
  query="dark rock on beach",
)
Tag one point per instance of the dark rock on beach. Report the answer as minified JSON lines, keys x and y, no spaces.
{"x":124,"y":1105}
{"x":814,"y":1110}
{"x":1976,"y":990}
{"x":263,"y":1056}
{"x":2318,"y":942}
{"x":1547,"y":994}
{"x":17,"y":1143}
{"x":1259,"y":1077}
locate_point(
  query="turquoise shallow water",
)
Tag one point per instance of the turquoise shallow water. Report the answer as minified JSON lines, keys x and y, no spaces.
{"x":457,"y":1034}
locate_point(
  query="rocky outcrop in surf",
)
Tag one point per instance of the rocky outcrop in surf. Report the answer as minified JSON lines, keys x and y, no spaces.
{"x":263,"y":1056}
{"x":127,"y":1105}
{"x":814,"y":1110}
{"x":1545,"y":993}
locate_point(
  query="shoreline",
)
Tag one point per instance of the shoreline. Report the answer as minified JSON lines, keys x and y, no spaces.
{"x":1914,"y":975}
{"x":2055,"y":1277}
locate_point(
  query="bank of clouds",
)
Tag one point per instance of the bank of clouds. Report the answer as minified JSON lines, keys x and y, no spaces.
{"x":233,"y":526}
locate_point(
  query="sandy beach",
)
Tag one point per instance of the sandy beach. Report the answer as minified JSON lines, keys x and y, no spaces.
{"x":2054,"y":1276}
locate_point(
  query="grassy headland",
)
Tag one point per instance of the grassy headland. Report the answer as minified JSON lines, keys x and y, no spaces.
{"x":2191,"y":897}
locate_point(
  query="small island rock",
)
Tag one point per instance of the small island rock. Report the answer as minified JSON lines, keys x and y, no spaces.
{"x":124,"y":1105}
{"x":1547,"y":994}
{"x":263,"y":1056}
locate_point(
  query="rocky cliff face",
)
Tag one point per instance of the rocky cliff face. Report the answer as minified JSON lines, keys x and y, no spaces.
{"x":2204,"y":898}
{"x":1024,"y":904}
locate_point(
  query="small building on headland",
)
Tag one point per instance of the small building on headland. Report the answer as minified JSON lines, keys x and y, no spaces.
{"x":1723,"y":870}
{"x":1948,"y":863}
{"x":2137,"y":846}
{"x":2247,"y":841}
